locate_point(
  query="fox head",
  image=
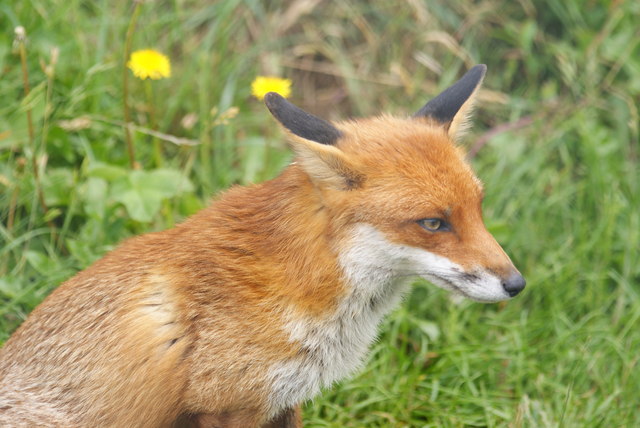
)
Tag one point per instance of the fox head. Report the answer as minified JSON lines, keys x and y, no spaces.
{"x":403,"y":190}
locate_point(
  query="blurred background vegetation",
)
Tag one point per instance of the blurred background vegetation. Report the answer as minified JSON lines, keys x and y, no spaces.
{"x":555,"y":140}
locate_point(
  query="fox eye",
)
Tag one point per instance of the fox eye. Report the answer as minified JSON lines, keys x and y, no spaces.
{"x":434,"y":224}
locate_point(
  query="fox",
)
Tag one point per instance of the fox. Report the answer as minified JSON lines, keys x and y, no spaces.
{"x":254,"y":305}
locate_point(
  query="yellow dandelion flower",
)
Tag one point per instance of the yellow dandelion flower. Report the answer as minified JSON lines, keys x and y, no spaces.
{"x":263,"y":85}
{"x":148,"y":63}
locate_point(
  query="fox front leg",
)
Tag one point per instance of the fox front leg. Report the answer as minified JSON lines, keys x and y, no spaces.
{"x":290,"y":418}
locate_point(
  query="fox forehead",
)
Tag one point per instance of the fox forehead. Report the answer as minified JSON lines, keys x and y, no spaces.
{"x":410,"y":160}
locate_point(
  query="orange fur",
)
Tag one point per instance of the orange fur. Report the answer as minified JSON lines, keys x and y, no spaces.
{"x":189,"y":326}
{"x":182,"y":321}
{"x":428,"y":173}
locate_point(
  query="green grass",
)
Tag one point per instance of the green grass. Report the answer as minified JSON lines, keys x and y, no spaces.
{"x":562,"y":178}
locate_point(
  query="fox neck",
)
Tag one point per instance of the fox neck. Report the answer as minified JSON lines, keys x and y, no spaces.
{"x":338,"y":282}
{"x":284,"y":227}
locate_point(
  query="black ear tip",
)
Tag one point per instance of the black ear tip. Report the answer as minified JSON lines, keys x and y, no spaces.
{"x":445,"y":106}
{"x":272,"y":98}
{"x":480,"y":70}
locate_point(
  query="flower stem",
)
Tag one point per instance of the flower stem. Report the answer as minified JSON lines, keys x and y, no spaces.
{"x":20,"y":41}
{"x":125,"y":85}
{"x":157,"y":148}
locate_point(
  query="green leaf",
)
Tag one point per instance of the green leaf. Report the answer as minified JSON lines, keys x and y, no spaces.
{"x":190,"y":204}
{"x":140,"y":204}
{"x":41,"y":262}
{"x":95,"y":196}
{"x":168,"y":182}
{"x":82,"y":250}
{"x":106,"y":171}
{"x":57,"y":186}
{"x":10,"y":287}
{"x":142,"y":192}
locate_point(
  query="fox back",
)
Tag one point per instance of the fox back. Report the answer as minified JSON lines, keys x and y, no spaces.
{"x":252,"y":306}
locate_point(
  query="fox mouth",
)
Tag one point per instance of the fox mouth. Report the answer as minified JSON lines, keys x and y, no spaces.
{"x":450,"y":284}
{"x":456,"y":285}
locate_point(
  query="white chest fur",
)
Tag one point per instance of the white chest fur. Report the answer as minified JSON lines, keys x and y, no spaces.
{"x":334,"y":347}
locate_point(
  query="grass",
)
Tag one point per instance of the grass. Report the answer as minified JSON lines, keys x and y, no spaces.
{"x":557,"y":145}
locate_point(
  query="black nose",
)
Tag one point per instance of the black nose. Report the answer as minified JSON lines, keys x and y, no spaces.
{"x":514,"y":284}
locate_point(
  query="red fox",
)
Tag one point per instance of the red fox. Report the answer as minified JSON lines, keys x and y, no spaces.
{"x":249,"y":308}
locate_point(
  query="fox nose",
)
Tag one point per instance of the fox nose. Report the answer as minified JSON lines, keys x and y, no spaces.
{"x":514,"y":284}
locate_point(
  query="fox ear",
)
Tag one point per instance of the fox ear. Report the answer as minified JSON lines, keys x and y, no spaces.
{"x":299,"y":122}
{"x":313,"y":140}
{"x":453,"y":107}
